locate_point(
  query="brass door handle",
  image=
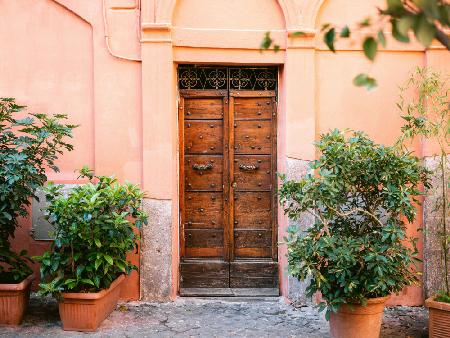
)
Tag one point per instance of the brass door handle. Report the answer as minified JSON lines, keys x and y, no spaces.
{"x":248,"y":167}
{"x":202,"y":167}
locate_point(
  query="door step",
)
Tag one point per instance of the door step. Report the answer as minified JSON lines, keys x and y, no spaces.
{"x":229,"y":292}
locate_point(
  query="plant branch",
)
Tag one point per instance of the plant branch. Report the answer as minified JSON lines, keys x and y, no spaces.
{"x":354,"y":211}
{"x":443,"y":38}
{"x":322,"y":220}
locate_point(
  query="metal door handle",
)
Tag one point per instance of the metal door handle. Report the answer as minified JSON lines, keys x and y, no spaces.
{"x":202,"y":167}
{"x":248,"y":167}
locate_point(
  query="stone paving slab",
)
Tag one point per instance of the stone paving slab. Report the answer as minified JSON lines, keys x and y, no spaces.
{"x":196,"y":317}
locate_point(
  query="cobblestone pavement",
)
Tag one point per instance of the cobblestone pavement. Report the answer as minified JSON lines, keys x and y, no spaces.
{"x":194,"y":317}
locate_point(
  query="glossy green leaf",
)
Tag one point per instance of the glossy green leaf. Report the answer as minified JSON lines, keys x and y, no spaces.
{"x":405,"y":24}
{"x":424,"y":31}
{"x":381,"y":38}
{"x":395,"y":5}
{"x":397,"y":34}
{"x":108,"y":259}
{"x":364,"y":80}
{"x":97,"y":263}
{"x":267,"y":41}
{"x":370,"y":47}
{"x":87,"y":281}
{"x":345,"y":32}
{"x":329,"y":38}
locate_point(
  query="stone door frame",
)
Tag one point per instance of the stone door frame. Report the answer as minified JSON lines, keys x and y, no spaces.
{"x":161,"y":52}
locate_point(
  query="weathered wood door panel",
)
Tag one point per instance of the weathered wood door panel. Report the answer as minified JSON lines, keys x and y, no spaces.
{"x":203,"y":172}
{"x":252,"y":210}
{"x":204,"y":210}
{"x":203,"y":137}
{"x":227,"y":189}
{"x":252,"y":137}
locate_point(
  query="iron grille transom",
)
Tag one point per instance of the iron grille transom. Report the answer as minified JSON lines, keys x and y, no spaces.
{"x":241,"y":78}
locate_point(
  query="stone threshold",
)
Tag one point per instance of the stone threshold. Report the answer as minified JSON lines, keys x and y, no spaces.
{"x":229,"y":292}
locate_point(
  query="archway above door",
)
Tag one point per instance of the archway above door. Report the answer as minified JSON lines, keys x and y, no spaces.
{"x":298,"y":14}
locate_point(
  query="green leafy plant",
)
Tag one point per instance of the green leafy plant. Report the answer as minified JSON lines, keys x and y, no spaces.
{"x":361,"y":196}
{"x":427,"y":115}
{"x":425,"y":19}
{"x":94,"y":229}
{"x":28,"y":146}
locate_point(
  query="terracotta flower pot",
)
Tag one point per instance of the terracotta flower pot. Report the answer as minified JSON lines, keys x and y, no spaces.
{"x":14,"y":301}
{"x":439,"y":318}
{"x":86,"y":311}
{"x":358,"y":321}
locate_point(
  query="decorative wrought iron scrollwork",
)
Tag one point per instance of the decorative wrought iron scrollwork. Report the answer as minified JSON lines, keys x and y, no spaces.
{"x":202,"y":167}
{"x":217,"y":78}
{"x":248,"y":167}
{"x":239,"y":78}
{"x":266,"y":80}
{"x":188,"y":78}
{"x":253,"y":78}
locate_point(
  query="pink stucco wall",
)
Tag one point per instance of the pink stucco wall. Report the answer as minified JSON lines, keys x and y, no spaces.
{"x":122,"y":89}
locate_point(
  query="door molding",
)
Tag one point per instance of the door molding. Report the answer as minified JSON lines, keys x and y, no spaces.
{"x":254,"y":265}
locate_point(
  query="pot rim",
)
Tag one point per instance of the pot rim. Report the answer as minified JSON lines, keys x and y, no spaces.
{"x":92,"y":295}
{"x":18,"y":286}
{"x":376,"y":300}
{"x":434,"y":304}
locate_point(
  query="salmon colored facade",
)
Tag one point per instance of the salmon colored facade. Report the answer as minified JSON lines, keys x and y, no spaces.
{"x":112,"y":66}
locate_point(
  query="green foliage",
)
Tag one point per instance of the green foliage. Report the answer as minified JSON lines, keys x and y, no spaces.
{"x":329,"y":38}
{"x":28,"y":146}
{"x":267,"y":41}
{"x":442,"y":296}
{"x":360,"y":197}
{"x":425,"y":19}
{"x":370,"y":47}
{"x":364,"y":80}
{"x":428,"y":116}
{"x":94,"y":229}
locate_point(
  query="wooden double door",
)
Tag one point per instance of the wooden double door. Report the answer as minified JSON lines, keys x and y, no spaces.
{"x":228,"y":185}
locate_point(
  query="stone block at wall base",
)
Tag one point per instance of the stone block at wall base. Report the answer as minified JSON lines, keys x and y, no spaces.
{"x":156,"y":251}
{"x":295,"y":170}
{"x":433,"y":278}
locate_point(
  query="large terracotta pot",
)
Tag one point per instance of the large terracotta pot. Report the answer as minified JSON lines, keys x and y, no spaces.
{"x":358,"y":321}
{"x":86,"y":311}
{"x":14,"y":301}
{"x":439,"y":318}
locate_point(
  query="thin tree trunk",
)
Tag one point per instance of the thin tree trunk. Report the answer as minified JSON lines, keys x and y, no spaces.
{"x":444,"y":222}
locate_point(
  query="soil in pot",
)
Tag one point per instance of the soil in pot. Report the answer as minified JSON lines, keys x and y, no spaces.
{"x":358,"y":321}
{"x":439,"y":318}
{"x":14,"y":299}
{"x":86,"y":311}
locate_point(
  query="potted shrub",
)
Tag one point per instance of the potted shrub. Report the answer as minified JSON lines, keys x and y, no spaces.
{"x":94,"y":230}
{"x":427,"y":115}
{"x":357,"y":252}
{"x":27,"y":147}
